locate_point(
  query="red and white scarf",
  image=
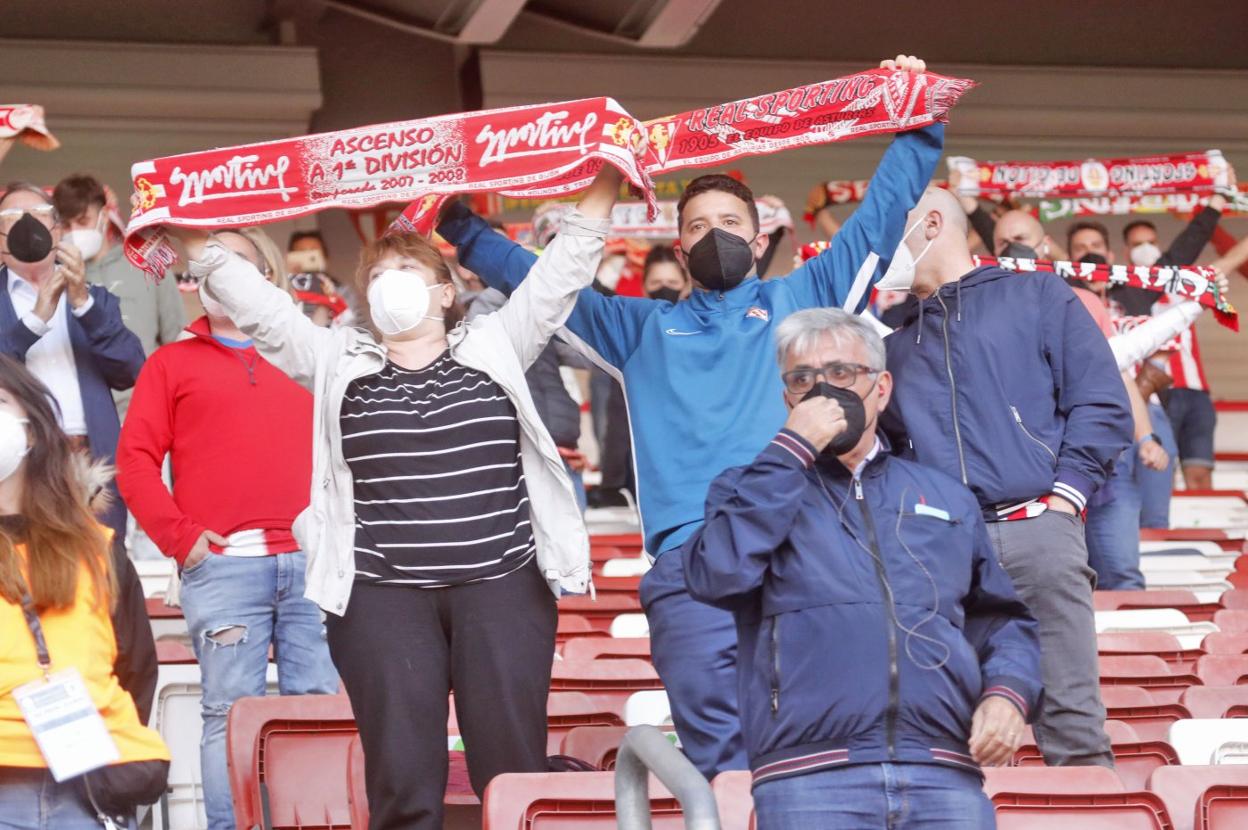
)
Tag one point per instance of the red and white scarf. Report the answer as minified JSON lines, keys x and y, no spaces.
{"x":632,"y":220}
{"x":1126,"y":204}
{"x":26,"y":123}
{"x":531,"y":151}
{"x":1190,"y":282}
{"x":1205,"y":172}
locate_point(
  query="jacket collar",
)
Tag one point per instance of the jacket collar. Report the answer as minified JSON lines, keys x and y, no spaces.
{"x":834,"y":469}
{"x":951,"y":291}
{"x":712,"y":302}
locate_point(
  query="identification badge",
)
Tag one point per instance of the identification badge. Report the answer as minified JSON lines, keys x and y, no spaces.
{"x":66,"y":725}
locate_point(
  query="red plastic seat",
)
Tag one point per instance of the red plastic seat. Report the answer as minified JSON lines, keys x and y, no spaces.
{"x":566,"y":711}
{"x":1157,"y":643}
{"x":630,"y":543}
{"x":357,"y":795}
{"x":608,"y":648}
{"x":1134,"y":706}
{"x":1223,"y":669}
{"x":157,"y":610}
{"x":1134,"y":762}
{"x":1235,"y":600}
{"x":573,"y":627}
{"x":608,"y":682}
{"x":172,"y":652}
{"x":605,"y":553}
{"x":1185,"y":601}
{"x":1107,"y":811}
{"x":602,"y":611}
{"x":1056,"y":780}
{"x":595,"y":745}
{"x":1181,"y":789}
{"x":1148,"y":671}
{"x":617,"y":584}
{"x":562,"y":801}
{"x":290,"y":753}
{"x":735,"y":802}
{"x":1214,"y":701}
{"x":1225,"y":642}
{"x":1223,"y":808}
{"x":1233,"y":621}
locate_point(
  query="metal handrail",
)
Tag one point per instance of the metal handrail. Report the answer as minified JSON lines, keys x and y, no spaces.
{"x":646,"y":750}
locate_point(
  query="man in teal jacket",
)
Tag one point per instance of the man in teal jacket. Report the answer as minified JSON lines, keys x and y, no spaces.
{"x":703,"y":393}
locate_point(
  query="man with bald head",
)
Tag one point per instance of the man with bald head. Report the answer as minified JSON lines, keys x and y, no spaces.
{"x":1019,"y":234}
{"x":1004,"y":381}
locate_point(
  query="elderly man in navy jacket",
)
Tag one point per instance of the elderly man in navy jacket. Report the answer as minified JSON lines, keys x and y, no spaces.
{"x":1004,"y":381}
{"x":68,"y":333}
{"x":883,"y":654}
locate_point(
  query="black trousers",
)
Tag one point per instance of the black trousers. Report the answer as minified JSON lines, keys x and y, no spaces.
{"x":402,"y":650}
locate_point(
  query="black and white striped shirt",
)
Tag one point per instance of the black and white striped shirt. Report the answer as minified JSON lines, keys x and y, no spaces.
{"x":440,"y":497}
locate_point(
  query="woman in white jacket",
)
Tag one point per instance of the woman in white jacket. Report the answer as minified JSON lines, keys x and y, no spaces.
{"x":440,"y":507}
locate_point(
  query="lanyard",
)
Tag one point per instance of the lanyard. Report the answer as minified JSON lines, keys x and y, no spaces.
{"x":36,"y":631}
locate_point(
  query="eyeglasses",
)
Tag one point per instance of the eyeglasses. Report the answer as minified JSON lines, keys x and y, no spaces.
{"x":44,"y":213}
{"x":800,"y":381}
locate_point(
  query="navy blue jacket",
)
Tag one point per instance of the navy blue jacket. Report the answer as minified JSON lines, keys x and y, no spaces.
{"x":107,"y":356}
{"x":1003,"y":380}
{"x":847,"y":652}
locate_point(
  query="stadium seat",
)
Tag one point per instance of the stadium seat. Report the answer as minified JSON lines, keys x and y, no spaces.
{"x":630,"y":625}
{"x":630,"y":543}
{"x":1041,"y":780}
{"x":1134,"y":706}
{"x":1181,"y":789}
{"x":595,"y":745}
{"x":608,"y":682}
{"x":1147,"y":671}
{"x":558,"y":800}
{"x":1225,"y":642}
{"x":1206,"y":588}
{"x":573,"y":627}
{"x":1210,"y":741}
{"x":1222,"y":669}
{"x":566,"y":711}
{"x":1214,"y":701}
{"x":1223,"y":808}
{"x":736,"y":804}
{"x":154,"y":576}
{"x":1161,"y":644}
{"x":173,"y":652}
{"x":357,"y":795}
{"x":617,"y":585}
{"x":1134,"y":761}
{"x":167,"y":622}
{"x":626,"y":566}
{"x":608,"y":648}
{"x":1235,"y":600}
{"x":1102,"y":811}
{"x":601,"y":611}
{"x":598,"y":554}
{"x":288,"y":757}
{"x":1232,"y":621}
{"x":1196,"y":609}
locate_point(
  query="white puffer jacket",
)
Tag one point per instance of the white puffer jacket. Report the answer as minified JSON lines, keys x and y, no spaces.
{"x":502,"y":345}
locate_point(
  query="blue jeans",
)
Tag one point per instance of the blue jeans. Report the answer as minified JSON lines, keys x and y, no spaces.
{"x":694,"y":649}
{"x":578,"y":486}
{"x":31,"y":800}
{"x":887,"y":796}
{"x":1156,"y":486}
{"x":1112,"y":530}
{"x":235,"y":607}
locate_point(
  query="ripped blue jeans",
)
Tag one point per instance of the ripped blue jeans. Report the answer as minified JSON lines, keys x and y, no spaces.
{"x":235,"y":608}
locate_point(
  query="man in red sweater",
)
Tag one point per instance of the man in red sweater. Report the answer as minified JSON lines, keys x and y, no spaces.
{"x":239,"y":433}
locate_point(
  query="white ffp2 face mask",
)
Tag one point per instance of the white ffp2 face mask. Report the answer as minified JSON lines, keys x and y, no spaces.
{"x":1146,"y":254}
{"x":398,"y":301}
{"x":88,"y":241}
{"x":900,"y":273}
{"x":13,"y":443}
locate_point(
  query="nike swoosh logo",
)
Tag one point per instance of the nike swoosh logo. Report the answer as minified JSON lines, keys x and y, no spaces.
{"x":675,"y":333}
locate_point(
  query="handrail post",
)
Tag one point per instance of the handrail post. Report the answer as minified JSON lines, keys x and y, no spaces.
{"x":645,"y":750}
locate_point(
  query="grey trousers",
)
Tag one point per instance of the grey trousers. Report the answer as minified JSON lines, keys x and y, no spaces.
{"x":1047,"y":560}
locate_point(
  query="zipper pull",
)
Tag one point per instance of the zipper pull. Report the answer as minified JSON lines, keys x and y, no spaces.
{"x":858,"y":489}
{"x":775,"y":701}
{"x":1017,"y":417}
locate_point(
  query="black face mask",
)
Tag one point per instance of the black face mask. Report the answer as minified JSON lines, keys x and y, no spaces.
{"x":671,"y":295}
{"x":1018,"y":250}
{"x":29,"y":240}
{"x":1095,"y":259}
{"x":855,"y":416}
{"x":720,"y":260}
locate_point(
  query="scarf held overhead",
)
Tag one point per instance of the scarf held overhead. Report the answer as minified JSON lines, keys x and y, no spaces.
{"x":528,"y":151}
{"x":1206,"y":172}
{"x":25,"y":122}
{"x":1189,"y":282}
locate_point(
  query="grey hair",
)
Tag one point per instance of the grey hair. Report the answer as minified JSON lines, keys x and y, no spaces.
{"x":800,"y":331}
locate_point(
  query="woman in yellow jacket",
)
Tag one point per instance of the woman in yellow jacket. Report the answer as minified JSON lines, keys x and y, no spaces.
{"x":55,"y":560}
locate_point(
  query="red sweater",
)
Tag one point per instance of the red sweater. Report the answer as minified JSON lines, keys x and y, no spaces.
{"x":241,"y":446}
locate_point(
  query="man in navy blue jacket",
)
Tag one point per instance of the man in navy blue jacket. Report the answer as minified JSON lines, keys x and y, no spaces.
{"x":702,"y":389}
{"x":1004,"y":381}
{"x":883,"y":653}
{"x":68,"y":332}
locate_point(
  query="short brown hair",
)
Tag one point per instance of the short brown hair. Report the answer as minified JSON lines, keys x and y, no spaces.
{"x":1086,"y":225}
{"x":74,"y":194}
{"x":413,"y":246}
{"x":716,"y":182}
